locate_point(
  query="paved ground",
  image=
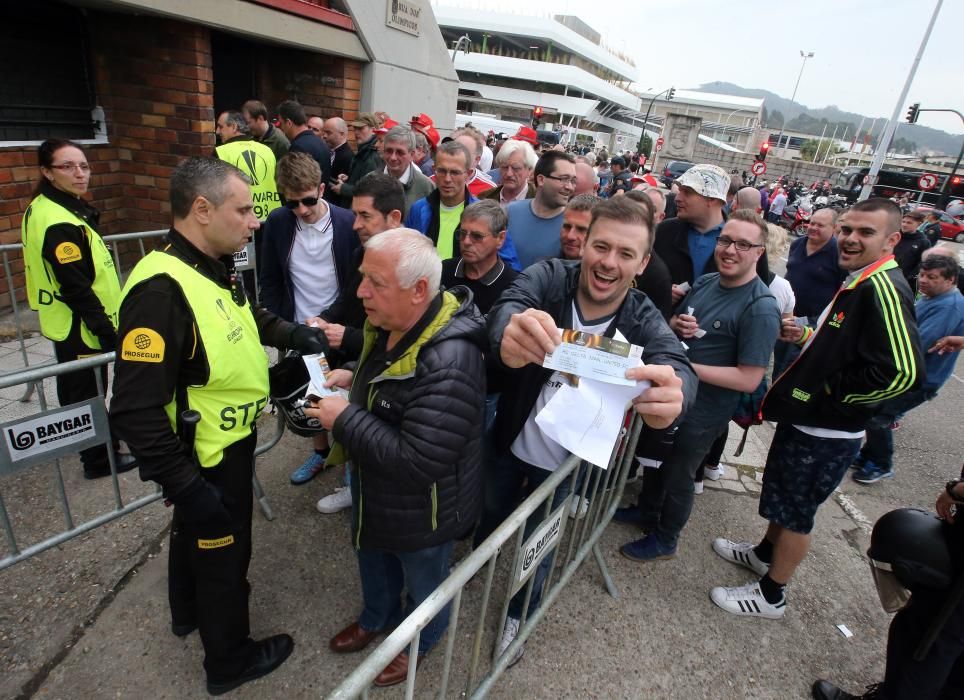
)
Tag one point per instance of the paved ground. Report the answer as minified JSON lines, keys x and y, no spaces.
{"x":89,"y":618}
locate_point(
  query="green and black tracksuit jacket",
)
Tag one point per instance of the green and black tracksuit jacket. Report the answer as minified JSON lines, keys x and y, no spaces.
{"x":866,"y":351}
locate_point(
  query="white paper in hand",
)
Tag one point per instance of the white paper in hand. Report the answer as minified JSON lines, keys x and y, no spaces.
{"x":317,"y":375}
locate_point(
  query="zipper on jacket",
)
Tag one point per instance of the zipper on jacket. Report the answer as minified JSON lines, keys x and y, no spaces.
{"x":434,"y":497}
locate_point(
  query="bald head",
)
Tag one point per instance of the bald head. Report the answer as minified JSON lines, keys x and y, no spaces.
{"x":334,"y":132}
{"x":585,"y":179}
{"x":748,"y":198}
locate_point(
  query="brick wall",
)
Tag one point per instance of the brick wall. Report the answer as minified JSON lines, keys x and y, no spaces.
{"x":154,"y":78}
{"x":326,"y":85}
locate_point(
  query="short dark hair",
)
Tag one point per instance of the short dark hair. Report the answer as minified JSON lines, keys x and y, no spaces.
{"x":297,"y":172}
{"x":454,"y":148}
{"x":751,"y":217}
{"x":547,"y":162}
{"x":915,"y":214}
{"x":201,"y":177}
{"x":236,"y":119}
{"x":586,"y":201}
{"x":255,"y":108}
{"x":874,"y":204}
{"x":289,"y":109}
{"x":489,"y":210}
{"x":944,"y":264}
{"x":386,"y":192}
{"x":642,"y":198}
{"x":625,"y":210}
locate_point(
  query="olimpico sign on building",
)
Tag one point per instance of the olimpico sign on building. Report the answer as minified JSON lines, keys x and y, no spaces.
{"x":404,"y":15}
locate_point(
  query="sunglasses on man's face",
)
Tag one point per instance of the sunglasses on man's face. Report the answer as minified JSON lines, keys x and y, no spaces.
{"x":307,"y":201}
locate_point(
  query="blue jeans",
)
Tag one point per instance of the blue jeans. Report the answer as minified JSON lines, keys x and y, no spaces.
{"x":668,"y":506}
{"x":879,"y":447}
{"x":508,"y":482}
{"x":383,"y":574}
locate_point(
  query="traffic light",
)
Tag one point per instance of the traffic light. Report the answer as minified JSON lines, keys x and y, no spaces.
{"x":913,"y":112}
{"x":764,"y":149}
{"x":536,"y":117}
{"x":672,"y":93}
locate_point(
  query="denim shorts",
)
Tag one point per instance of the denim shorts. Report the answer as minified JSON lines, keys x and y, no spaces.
{"x":800,"y":474}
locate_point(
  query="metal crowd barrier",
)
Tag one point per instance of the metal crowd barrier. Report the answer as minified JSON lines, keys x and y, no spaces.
{"x":567,"y":546}
{"x":51,"y":434}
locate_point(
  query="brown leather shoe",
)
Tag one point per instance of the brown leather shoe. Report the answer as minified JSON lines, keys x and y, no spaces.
{"x":396,"y":671}
{"x":352,"y":638}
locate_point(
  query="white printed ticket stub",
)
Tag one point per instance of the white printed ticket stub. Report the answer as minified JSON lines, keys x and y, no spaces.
{"x":317,"y":371}
{"x":595,"y":357}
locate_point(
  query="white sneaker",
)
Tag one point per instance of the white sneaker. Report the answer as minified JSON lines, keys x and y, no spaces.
{"x":748,"y":600}
{"x":714,"y":473}
{"x":509,"y":633}
{"x":578,"y":507}
{"x":741,"y":554}
{"x":337,"y":501}
{"x":697,"y":487}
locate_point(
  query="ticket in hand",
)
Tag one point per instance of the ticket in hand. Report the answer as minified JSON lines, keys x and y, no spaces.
{"x":594,"y":356}
{"x":318,"y":370}
{"x":699,"y":333}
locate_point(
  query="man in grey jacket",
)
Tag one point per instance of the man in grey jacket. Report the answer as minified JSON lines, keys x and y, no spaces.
{"x":398,"y":148}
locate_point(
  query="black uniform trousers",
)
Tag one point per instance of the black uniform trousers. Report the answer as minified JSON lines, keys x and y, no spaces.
{"x":940,"y":675}
{"x":81,"y":385}
{"x":208,"y":567}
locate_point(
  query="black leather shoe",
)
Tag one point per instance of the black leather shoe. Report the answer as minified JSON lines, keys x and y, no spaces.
{"x":184,"y":629}
{"x":825,"y":690}
{"x":124,"y":462}
{"x":269,"y":654}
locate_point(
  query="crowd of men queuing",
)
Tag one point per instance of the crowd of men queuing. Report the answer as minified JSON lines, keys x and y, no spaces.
{"x":435,"y":274}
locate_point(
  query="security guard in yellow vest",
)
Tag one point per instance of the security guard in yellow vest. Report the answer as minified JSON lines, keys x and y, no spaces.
{"x":188,"y":332}
{"x":250,"y":157}
{"x":71,"y":280}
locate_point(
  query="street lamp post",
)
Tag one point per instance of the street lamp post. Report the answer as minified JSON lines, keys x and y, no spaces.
{"x":803,"y":65}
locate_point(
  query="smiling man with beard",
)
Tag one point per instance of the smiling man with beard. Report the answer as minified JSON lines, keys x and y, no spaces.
{"x":865,"y":350}
{"x":593,"y":295}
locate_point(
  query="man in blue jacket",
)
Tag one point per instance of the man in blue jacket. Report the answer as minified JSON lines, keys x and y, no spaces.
{"x":940,"y":313}
{"x":305,"y":259}
{"x":438,"y":214}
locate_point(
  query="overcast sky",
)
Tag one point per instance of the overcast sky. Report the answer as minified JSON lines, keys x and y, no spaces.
{"x":863,"y":49}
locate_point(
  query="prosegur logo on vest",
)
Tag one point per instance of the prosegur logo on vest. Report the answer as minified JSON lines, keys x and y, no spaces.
{"x":38,"y":435}
{"x":142,"y":345}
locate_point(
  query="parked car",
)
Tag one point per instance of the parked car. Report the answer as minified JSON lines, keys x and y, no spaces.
{"x":673,"y":170}
{"x":951,"y":228}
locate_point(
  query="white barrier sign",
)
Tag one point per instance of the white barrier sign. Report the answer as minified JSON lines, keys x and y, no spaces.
{"x":49,"y":432}
{"x":539,"y":544}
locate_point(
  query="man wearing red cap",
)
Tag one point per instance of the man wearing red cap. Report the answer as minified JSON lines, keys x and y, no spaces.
{"x":426,"y":141}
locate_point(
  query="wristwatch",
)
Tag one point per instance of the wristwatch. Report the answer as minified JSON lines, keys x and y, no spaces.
{"x":950,"y":486}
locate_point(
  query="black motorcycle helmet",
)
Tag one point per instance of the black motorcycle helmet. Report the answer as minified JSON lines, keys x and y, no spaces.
{"x":289,"y":382}
{"x":909,"y":552}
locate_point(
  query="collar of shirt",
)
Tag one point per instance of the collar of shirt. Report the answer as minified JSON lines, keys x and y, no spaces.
{"x":488,"y":278}
{"x":406,"y":176}
{"x":518,"y":198}
{"x":320,"y":226}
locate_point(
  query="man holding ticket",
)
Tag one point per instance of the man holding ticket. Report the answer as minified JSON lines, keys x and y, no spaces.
{"x":593,"y":296}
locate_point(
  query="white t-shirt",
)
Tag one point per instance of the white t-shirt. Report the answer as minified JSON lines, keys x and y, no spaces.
{"x":311,"y":263}
{"x":531,"y":445}
{"x":485,"y":163}
{"x":783,"y":292}
{"x":829,"y":432}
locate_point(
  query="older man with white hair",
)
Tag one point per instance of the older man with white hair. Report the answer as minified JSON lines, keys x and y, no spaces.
{"x":515,"y":162}
{"x":411,"y":428}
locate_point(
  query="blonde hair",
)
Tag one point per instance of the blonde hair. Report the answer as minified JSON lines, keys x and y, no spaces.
{"x":777,"y":242}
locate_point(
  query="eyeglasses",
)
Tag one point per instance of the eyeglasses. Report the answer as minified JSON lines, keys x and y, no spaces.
{"x":571,"y":181}
{"x":442,"y":172}
{"x":307,"y":201}
{"x":474,"y":235}
{"x":70,"y":167}
{"x":742,"y":246}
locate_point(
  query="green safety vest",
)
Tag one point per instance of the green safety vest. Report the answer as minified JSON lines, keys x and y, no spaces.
{"x":237,"y":387}
{"x":43,"y":289}
{"x":257,"y":162}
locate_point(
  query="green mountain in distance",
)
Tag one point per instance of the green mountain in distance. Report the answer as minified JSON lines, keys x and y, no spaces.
{"x":908,"y":139}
